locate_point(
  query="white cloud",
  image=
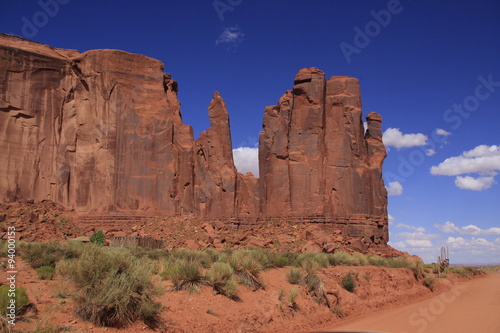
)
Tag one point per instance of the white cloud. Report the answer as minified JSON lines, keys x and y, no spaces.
{"x":440,"y":131}
{"x":475,"y":184}
{"x":419,"y":242}
{"x":391,"y":219}
{"x":397,"y":245}
{"x":410,"y":227}
{"x":483,"y":160}
{"x":480,"y":159}
{"x":450,"y":228}
{"x":470,"y":244}
{"x":395,"y":138}
{"x":419,"y":235}
{"x":246,"y":159}
{"x":231,"y":37}
{"x":394,"y":188}
{"x":430,"y":152}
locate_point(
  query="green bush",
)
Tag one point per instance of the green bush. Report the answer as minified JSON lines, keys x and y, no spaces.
{"x":221,"y":277}
{"x":45,"y":272}
{"x":114,"y":288}
{"x":18,"y":294}
{"x":281,"y":261}
{"x":294,"y":275}
{"x":98,"y":238}
{"x":348,"y":282}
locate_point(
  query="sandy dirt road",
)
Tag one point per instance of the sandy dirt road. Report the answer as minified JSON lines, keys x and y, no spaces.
{"x":469,"y":306}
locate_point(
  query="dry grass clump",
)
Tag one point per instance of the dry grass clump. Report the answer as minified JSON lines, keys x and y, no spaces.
{"x":185,"y":274}
{"x":114,"y":287}
{"x":48,"y":254}
{"x":247,"y":267}
{"x":221,"y":277}
{"x":45,"y":272}
{"x":318,"y":260}
{"x":429,"y":282}
{"x":294,"y":275}
{"x":348,"y":282}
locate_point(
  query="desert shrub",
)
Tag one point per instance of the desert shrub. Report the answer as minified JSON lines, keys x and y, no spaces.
{"x":263,"y":256}
{"x":294,"y":275}
{"x":459,"y":271}
{"x":114,"y":288}
{"x":247,"y":268}
{"x":367,"y":277}
{"x":221,"y":277}
{"x":377,"y":261}
{"x":417,"y":269}
{"x":339,"y":258}
{"x":203,"y":258}
{"x":213,"y":253}
{"x":186,"y":275}
{"x":474,"y":270}
{"x":281,"y":261}
{"x":313,"y":283}
{"x":399,"y":262}
{"x":292,"y":297}
{"x":19,"y":294}
{"x":348,"y":282}
{"x":442,"y":275}
{"x":48,"y":254}
{"x":318,"y":260}
{"x":45,"y":272}
{"x":98,"y":238}
{"x":429,"y":282}
{"x":359,"y":259}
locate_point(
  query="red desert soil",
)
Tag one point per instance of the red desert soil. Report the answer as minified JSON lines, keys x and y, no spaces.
{"x":260,"y":311}
{"x":469,"y":306}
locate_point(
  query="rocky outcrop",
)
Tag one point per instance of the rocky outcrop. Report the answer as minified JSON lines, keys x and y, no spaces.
{"x":317,"y":163}
{"x":102,"y":131}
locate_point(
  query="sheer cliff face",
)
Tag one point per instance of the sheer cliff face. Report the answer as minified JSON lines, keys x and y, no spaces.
{"x":316,"y":161}
{"x":102,"y":131}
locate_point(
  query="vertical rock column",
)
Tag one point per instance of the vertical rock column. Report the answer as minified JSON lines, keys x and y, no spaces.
{"x":274,"y":176}
{"x":347,"y":186}
{"x":215,"y":173}
{"x":306,"y":143}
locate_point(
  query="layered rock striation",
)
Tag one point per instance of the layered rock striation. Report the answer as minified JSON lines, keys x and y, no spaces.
{"x":102,"y":131}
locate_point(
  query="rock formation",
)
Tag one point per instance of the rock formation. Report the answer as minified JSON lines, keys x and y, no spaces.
{"x":102,"y":131}
{"x":317,"y":163}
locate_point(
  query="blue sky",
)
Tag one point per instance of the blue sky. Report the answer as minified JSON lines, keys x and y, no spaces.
{"x":431,"y":68}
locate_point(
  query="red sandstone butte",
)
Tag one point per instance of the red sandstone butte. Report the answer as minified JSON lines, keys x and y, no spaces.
{"x":102,"y":131}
